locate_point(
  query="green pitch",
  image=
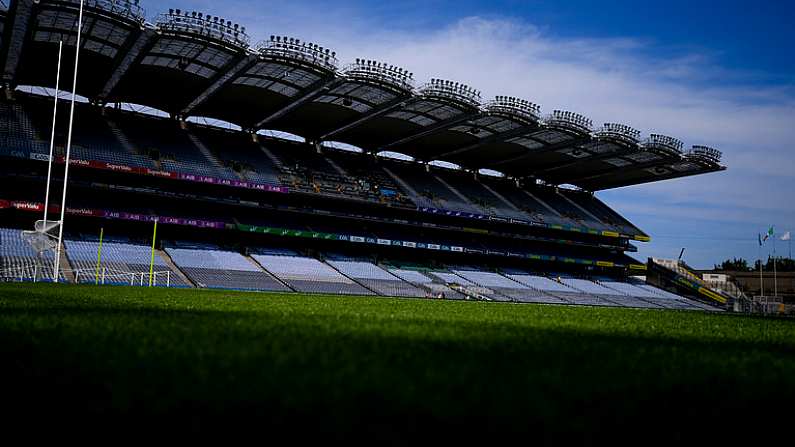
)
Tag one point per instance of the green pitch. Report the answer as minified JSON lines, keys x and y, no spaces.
{"x":388,"y":369}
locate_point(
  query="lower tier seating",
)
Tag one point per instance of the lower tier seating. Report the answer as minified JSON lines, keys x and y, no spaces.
{"x":218,"y":269}
{"x":121,"y":263}
{"x":19,"y":261}
{"x":309,"y":275}
{"x":376,"y":279}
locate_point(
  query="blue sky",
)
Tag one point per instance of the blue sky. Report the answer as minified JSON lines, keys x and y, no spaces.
{"x":715,"y":73}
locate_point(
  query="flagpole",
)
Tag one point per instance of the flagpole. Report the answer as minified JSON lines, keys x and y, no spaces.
{"x":775,"y":276}
{"x":761,"y":281}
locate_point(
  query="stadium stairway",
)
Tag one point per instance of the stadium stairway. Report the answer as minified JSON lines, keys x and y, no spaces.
{"x":425,"y":283}
{"x":66,"y":266}
{"x":256,"y":264}
{"x":173,"y":267}
{"x":210,"y":156}
{"x":337,"y":269}
{"x":456,"y":192}
{"x":406,"y":187}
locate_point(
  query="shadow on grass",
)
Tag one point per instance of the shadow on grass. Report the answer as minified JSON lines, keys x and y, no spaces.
{"x":389,"y":380}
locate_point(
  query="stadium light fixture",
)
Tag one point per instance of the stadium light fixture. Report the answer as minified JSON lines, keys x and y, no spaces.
{"x":204,"y":25}
{"x":620,"y":132}
{"x":380,"y":73}
{"x":292,"y":48}
{"x":509,"y":105}
{"x":457,"y":92}
{"x":571,"y":120}
{"x":664,"y":142}
{"x":706,"y":153}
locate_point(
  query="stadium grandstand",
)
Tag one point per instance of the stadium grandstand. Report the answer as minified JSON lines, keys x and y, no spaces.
{"x":182,"y":120}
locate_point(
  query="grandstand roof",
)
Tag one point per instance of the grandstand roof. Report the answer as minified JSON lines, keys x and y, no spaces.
{"x":192,"y":64}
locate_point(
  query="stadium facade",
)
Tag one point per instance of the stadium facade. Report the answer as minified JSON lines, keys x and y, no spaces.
{"x":244,"y":209}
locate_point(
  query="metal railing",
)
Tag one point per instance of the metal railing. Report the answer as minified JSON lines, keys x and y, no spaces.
{"x":103,"y":276}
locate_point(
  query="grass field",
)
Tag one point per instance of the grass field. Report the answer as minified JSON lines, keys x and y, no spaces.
{"x":389,"y":370}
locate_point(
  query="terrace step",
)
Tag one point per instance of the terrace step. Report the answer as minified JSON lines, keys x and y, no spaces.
{"x":173,"y":267}
{"x":210,"y":156}
{"x":66,"y":267}
{"x":121,"y":137}
{"x":262,"y":267}
{"x":411,"y":191}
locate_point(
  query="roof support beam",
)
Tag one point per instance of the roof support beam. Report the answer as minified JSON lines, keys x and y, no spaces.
{"x":316,"y":90}
{"x":597,"y":157}
{"x":432,"y":129}
{"x":23,"y":14}
{"x":373,"y":113}
{"x":142,"y":42}
{"x":550,"y":148}
{"x":596,"y":186}
{"x":613,"y":169}
{"x":496,"y":138}
{"x":220,"y":81}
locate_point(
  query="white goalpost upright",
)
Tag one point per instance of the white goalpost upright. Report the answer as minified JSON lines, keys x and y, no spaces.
{"x":68,"y":145}
{"x":51,"y":160}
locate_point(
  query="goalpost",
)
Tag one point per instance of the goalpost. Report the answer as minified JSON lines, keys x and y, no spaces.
{"x":68,"y":145}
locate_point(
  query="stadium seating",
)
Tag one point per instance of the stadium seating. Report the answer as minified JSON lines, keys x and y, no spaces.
{"x":433,"y":287}
{"x":503,"y":288}
{"x":136,"y":140}
{"x":376,"y":279}
{"x":601,"y":211}
{"x":429,"y":190}
{"x":669,"y":300}
{"x":121,"y":263}
{"x":19,"y":135}
{"x":532,"y":209}
{"x":567,"y":209}
{"x":542,"y":289}
{"x":218,"y":269}
{"x":481,"y":197}
{"x":19,"y":261}
{"x":309,"y":275}
{"x":239,"y":154}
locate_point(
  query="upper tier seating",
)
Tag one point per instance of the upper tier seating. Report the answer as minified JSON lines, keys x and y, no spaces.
{"x":567,"y":209}
{"x":121,"y":264}
{"x":480,"y":196}
{"x":376,"y":279}
{"x":531,"y":208}
{"x":164,"y":139}
{"x":138,"y":140}
{"x":218,"y":269}
{"x":601,"y":211}
{"x":309,"y":275}
{"x":240,"y":154}
{"x":430,"y":191}
{"x":19,"y":134}
{"x":368,"y":170}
